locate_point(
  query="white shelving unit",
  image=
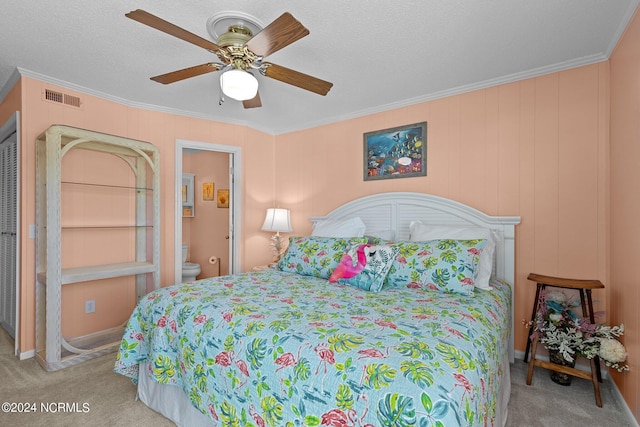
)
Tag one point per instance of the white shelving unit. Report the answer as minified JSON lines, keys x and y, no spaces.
{"x":141,"y":222}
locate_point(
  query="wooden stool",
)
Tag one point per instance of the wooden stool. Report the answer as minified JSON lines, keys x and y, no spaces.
{"x":584,"y":287}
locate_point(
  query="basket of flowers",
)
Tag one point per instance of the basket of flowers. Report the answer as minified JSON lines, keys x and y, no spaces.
{"x":567,"y":336}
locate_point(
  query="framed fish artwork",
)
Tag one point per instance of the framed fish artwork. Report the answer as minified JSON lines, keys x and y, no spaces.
{"x":399,"y":152}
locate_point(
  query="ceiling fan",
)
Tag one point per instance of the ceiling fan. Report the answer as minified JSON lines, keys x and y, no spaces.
{"x":240,"y":52}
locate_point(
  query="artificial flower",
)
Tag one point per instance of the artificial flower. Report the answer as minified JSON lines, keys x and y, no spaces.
{"x":560,"y":329}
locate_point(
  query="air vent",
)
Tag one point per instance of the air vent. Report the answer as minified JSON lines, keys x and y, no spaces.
{"x":61,"y":98}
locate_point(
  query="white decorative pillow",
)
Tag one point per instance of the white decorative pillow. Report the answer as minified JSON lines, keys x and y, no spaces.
{"x":342,"y":228}
{"x":422,"y":232}
{"x":380,"y":235}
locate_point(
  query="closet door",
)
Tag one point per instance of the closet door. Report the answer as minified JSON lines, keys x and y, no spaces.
{"x":8,"y":221}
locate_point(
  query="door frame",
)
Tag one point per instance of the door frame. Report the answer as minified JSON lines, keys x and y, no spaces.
{"x":235,"y":202}
{"x":10,"y":126}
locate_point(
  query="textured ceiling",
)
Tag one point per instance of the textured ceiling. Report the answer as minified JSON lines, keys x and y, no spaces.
{"x":378,"y":54}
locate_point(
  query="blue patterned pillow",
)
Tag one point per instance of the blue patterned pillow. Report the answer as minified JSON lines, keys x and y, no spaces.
{"x":443,"y":265}
{"x":315,"y":256}
{"x":364,"y":266}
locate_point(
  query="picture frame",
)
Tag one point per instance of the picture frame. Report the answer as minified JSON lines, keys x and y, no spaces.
{"x":207,"y":191}
{"x":399,"y":152}
{"x":223,"y":198}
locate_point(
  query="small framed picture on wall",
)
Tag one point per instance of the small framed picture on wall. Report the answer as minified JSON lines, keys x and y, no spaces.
{"x":207,"y":191}
{"x":223,"y":198}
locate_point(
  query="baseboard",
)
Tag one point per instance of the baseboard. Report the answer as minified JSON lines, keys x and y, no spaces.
{"x":623,"y":404}
{"x":24,"y":355}
{"x":605,"y":377}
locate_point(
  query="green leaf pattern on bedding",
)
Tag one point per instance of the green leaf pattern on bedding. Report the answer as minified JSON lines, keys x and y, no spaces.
{"x":277,"y":349}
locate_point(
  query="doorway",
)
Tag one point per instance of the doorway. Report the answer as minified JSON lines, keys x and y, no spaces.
{"x":212,"y":217}
{"x":10,"y":227}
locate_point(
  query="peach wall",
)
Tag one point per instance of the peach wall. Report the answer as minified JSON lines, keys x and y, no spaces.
{"x":535,"y":148}
{"x":625,"y":204}
{"x":162,"y":130}
{"x":10,"y":104}
{"x":91,"y":206}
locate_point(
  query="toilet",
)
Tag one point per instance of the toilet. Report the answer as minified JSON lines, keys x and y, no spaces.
{"x":189,"y":269}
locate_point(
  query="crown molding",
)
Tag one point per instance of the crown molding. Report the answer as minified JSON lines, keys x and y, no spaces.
{"x":536,"y":72}
{"x":122,"y":101}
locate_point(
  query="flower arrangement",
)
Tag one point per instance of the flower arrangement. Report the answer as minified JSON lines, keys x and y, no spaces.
{"x":559,"y":329}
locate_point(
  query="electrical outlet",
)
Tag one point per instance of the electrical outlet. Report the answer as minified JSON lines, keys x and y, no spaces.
{"x":90,"y":306}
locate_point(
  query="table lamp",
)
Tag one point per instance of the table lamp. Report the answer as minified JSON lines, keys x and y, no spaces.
{"x":278,"y":220}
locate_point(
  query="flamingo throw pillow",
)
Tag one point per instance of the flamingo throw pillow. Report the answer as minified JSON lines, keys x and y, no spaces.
{"x":364,"y":266}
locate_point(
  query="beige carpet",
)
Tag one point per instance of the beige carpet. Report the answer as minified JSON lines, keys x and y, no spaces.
{"x":111,"y":397}
{"x":547,"y":404}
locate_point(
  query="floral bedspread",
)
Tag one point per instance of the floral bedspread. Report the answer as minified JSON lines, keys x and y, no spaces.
{"x":279,"y":349}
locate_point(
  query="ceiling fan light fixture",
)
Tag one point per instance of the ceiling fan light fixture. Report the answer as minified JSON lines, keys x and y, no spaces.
{"x":239,"y":85}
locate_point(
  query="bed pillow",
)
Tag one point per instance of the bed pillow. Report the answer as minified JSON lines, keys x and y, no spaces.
{"x":364,"y":266}
{"x":315,"y":256}
{"x":351,"y":227}
{"x":378,"y":237}
{"x":422,"y":232}
{"x":443,"y":265}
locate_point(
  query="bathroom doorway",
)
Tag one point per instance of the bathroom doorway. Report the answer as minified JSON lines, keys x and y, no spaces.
{"x":207,"y":209}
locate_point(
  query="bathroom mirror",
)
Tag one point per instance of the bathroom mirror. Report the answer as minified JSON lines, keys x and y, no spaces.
{"x":188,"y":207}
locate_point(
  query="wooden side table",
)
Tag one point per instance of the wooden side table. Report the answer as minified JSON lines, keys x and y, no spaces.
{"x":584,"y":287}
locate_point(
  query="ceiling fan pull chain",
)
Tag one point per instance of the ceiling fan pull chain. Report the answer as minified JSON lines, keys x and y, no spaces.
{"x":221,"y":100}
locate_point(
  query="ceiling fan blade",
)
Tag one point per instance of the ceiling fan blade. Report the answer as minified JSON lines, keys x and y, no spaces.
{"x":171,"y":29}
{"x":296,"y":78}
{"x":186,"y":73}
{"x":253,"y":103}
{"x":280,"y":33}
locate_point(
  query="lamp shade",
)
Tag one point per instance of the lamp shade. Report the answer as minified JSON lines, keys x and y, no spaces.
{"x":277,"y":220}
{"x":239,"y":85}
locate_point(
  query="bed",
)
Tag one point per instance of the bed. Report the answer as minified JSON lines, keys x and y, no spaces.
{"x":280,"y":348}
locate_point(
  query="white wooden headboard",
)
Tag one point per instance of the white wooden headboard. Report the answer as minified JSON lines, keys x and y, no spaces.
{"x":395,"y":211}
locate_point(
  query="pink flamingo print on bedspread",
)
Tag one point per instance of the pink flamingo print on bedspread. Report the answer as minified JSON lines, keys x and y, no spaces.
{"x":346,"y":268}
